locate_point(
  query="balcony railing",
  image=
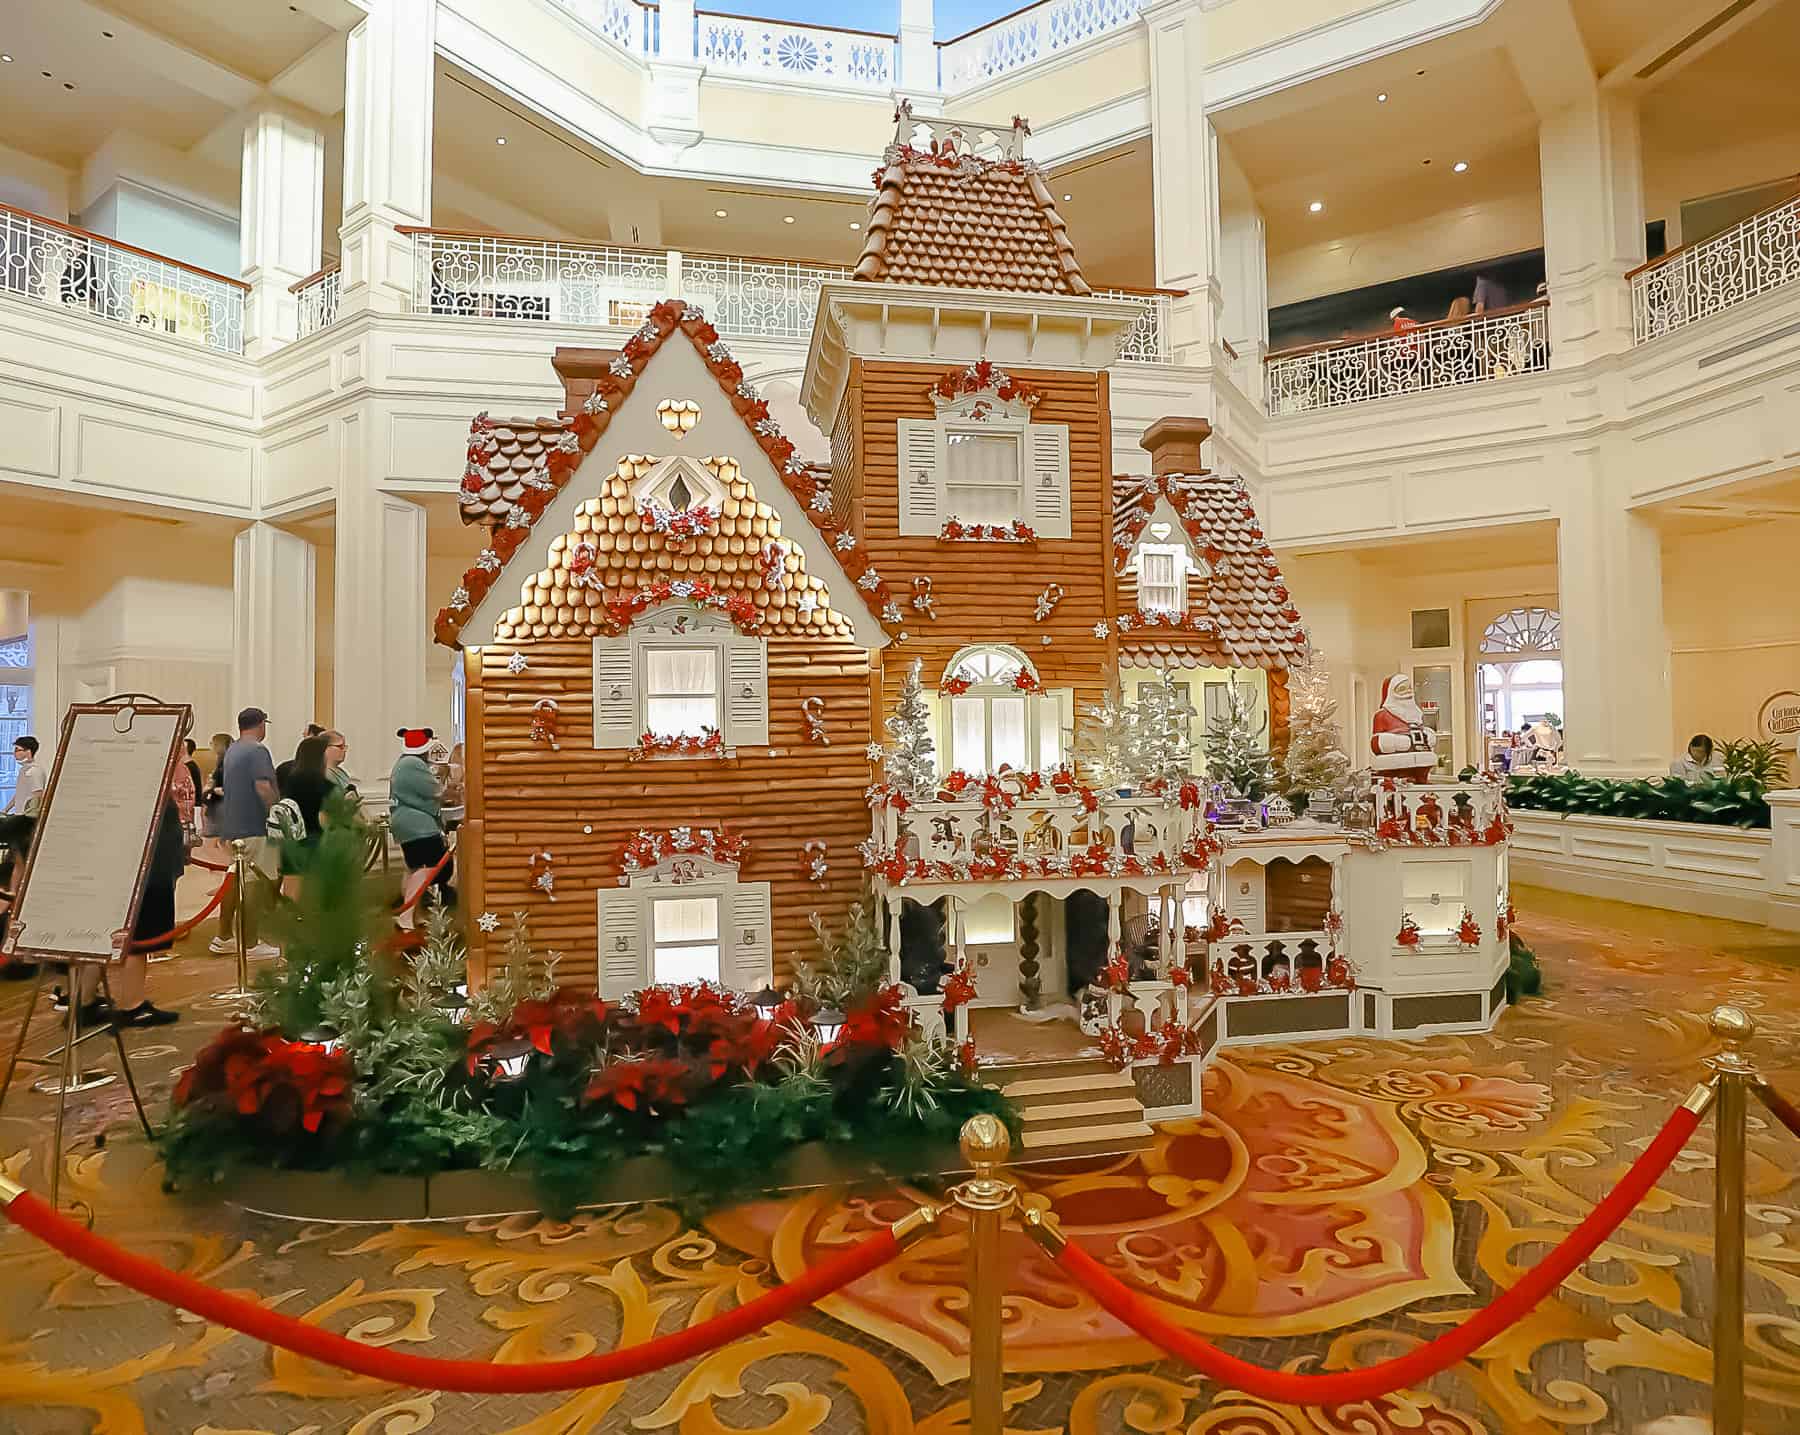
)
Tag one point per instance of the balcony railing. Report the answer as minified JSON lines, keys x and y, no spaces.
{"x":318,"y":299}
{"x":773,"y":49}
{"x":59,"y":264}
{"x":513,"y":277}
{"x":1034,"y":33}
{"x":1446,"y":354}
{"x":1700,"y":280}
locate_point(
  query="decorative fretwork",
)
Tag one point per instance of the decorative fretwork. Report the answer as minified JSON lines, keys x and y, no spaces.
{"x":1031,"y":980}
{"x":318,"y":301}
{"x":1434,"y":356}
{"x":852,"y":58}
{"x":757,"y":298}
{"x":87,"y":274}
{"x":1147,"y":340}
{"x":1030,"y":35}
{"x":1537,"y":631}
{"x":626,"y":23}
{"x":1751,"y":258}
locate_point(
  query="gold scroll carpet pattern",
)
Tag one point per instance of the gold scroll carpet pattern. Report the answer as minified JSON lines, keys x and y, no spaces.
{"x":1339,"y":1203}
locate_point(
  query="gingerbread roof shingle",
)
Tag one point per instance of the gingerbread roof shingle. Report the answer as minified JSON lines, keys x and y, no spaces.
{"x":1248,"y":618}
{"x":944,"y":215}
{"x":516,"y":468}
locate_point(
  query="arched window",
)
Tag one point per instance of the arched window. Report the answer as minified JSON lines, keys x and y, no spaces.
{"x":1520,"y":674}
{"x":997,"y":714}
{"x":1524,"y":630}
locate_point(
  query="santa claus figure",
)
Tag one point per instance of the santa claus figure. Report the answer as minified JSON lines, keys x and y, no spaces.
{"x":1402,"y":745}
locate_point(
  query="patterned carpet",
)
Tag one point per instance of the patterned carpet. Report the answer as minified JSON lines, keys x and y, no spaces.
{"x":1338,"y":1204}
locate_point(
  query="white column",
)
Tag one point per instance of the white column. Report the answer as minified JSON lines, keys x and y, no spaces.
{"x":674,"y":112}
{"x":918,"y":71}
{"x":1590,"y":162}
{"x":675,"y":32}
{"x":282,"y":207}
{"x":1615,"y":649}
{"x":381,"y":618}
{"x":388,"y":96}
{"x":1184,"y":153}
{"x":272,"y":630}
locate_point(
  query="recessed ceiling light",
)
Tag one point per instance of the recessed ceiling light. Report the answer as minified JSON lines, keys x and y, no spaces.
{"x":718,"y":214}
{"x":856,"y":224}
{"x":5,"y":59}
{"x":1067,"y":197}
{"x":787,"y":219}
{"x":107,"y":33}
{"x":499,"y":139}
{"x":1460,"y":165}
{"x":1316,"y":206}
{"x":1424,"y":161}
{"x":67,"y":85}
{"x":1381,"y":99}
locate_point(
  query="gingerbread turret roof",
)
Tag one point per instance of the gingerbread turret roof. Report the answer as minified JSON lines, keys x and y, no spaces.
{"x":946,"y":213}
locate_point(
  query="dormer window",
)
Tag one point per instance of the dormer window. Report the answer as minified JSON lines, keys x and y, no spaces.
{"x":1162,"y":578}
{"x":681,"y":497}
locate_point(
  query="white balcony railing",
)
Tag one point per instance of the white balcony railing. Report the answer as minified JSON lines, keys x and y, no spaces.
{"x":103,"y":279}
{"x":1033,"y":34}
{"x":739,"y":44}
{"x":626,"y":23}
{"x":317,"y":298}
{"x":1751,"y":258}
{"x":1443,"y":355}
{"x":473,"y":276}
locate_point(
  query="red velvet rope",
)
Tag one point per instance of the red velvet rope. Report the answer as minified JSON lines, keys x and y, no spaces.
{"x":424,"y":1372}
{"x":430,"y":877}
{"x":1780,"y":1107}
{"x":176,"y":933}
{"x":1402,"y":1372}
{"x":202,"y":863}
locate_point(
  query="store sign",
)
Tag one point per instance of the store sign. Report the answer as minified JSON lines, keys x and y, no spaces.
{"x":1779,"y":720}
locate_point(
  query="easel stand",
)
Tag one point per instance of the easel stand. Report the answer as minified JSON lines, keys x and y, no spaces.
{"x":62,"y":1060}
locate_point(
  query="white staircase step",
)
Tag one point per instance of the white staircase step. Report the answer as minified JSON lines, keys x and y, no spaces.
{"x":1083,"y":1113}
{"x":1084,"y":1140}
{"x":1102,"y":1084}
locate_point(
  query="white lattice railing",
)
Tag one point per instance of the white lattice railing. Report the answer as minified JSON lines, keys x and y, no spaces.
{"x":1751,"y":258}
{"x":317,"y":298}
{"x":757,"y":298}
{"x":854,"y":58}
{"x":626,"y":23}
{"x":1147,"y":340}
{"x":1433,"y":356}
{"x":1030,"y":35}
{"x":90,"y":274}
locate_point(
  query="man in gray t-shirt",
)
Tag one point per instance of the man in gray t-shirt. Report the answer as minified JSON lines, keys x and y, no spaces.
{"x":249,"y":783}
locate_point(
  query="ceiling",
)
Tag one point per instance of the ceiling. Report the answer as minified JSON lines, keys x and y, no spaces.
{"x":1510,"y":545}
{"x":1740,"y":91}
{"x":256,"y":38}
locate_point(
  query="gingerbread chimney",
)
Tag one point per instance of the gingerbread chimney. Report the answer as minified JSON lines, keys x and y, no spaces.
{"x":1174,"y":444}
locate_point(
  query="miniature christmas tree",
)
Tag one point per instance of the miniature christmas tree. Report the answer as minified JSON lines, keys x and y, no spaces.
{"x":908,"y":763}
{"x":1316,"y":760}
{"x":1234,"y":756}
{"x":1160,"y":730}
{"x":1106,"y":743}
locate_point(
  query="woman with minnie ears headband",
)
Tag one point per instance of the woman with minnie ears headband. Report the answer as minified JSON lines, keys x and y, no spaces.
{"x":415,"y":817}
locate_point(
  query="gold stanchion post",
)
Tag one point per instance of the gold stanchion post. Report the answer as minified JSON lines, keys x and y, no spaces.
{"x":1736,"y":1073}
{"x":986,"y":1198}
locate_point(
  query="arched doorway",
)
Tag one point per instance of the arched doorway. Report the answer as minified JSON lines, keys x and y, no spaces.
{"x":1519,"y":671}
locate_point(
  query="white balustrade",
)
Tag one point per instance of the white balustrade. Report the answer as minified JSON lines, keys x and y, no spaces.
{"x":757,"y":298}
{"x":89,"y":274}
{"x":318,"y":300}
{"x":1147,"y":340}
{"x":857,"y":59}
{"x":626,"y":23}
{"x":1050,"y":836}
{"x":1439,"y":813}
{"x":1751,"y":258}
{"x":1254,"y":957}
{"x":1434,"y":356}
{"x":1030,"y":35}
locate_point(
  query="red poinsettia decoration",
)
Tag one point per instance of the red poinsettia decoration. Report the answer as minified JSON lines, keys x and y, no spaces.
{"x":1408,"y":935}
{"x":1218,"y":981}
{"x":955,"y":687}
{"x":263,"y":1077}
{"x":880,"y":1022}
{"x":650,"y":744}
{"x":954,"y":530}
{"x":1468,"y":931}
{"x":1026,"y":681}
{"x":966,"y":1060}
{"x":959,"y":989}
{"x":1116,"y":975}
{"x":640,"y":1084}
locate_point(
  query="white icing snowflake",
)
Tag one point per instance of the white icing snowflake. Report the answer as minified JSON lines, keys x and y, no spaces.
{"x":488,"y":561}
{"x":539,"y":480}
{"x":475,"y":470}
{"x":488,"y":922}
{"x":768,"y":428}
{"x":594,"y":404}
{"x":517,"y":517}
{"x":691,"y":315}
{"x":795,"y":466}
{"x":647,"y":332}
{"x":820,"y":502}
{"x":681,"y":588}
{"x":890,"y":612}
{"x":875,"y":752}
{"x":717,"y":352}
{"x":808,"y":601}
{"x":568,"y":441}
{"x":870,"y":580}
{"x":844,"y":542}
{"x":1101,"y":629}
{"x":460,"y":598}
{"x":620,"y":367}
{"x":516,"y":663}
{"x":747,"y":390}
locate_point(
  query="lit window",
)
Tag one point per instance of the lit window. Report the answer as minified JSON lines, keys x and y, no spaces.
{"x":1433,"y":895}
{"x":1193,"y":902}
{"x":994,"y":724}
{"x":681,"y":691}
{"x":982,"y":477}
{"x":1160,"y":580}
{"x":988,"y":922}
{"x":684,"y":939}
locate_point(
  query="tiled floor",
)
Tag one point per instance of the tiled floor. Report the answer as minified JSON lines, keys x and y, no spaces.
{"x":1338,"y":1203}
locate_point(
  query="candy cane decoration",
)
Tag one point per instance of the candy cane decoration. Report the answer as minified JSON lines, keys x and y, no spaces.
{"x":816,"y":866}
{"x":581,"y":566}
{"x":922,"y":599}
{"x":1047,"y":600}
{"x":544,"y":715}
{"x":812,"y":711}
{"x":543,"y":875}
{"x":772,"y":559}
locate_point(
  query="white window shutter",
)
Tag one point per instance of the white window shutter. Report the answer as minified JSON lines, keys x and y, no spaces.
{"x":749,"y":941}
{"x":624,"y":968}
{"x":746,"y":693}
{"x":921,"y":476}
{"x":615,"y":693}
{"x":1047,"y":474}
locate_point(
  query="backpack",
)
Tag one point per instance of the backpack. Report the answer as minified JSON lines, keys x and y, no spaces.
{"x":285,"y":823}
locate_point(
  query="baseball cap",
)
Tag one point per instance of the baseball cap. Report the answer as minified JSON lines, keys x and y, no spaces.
{"x":250,"y":717}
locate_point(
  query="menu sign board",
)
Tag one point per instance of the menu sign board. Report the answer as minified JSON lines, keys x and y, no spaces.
{"x":78,"y":898}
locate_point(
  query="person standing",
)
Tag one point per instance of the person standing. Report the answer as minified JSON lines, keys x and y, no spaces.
{"x":415,"y":817}
{"x":1489,"y":296}
{"x":198,"y":784}
{"x":212,"y":791}
{"x":337,"y":749}
{"x":250,"y":791}
{"x":156,"y":916}
{"x":309,"y":787}
{"x":28,"y":791}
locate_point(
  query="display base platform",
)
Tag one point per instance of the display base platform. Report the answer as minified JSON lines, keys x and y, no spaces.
{"x":339,"y":1197}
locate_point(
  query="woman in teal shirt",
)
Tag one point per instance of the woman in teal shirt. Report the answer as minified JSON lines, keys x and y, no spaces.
{"x":415,"y":817}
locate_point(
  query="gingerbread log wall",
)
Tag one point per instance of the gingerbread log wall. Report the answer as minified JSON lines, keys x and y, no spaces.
{"x":986,"y":592}
{"x":777,"y":798}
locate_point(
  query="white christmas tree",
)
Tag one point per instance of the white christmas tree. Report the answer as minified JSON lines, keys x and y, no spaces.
{"x":908,"y":762}
{"x":1161,"y":730}
{"x":1105,"y":743}
{"x":1235,"y":755}
{"x":1316,"y":760}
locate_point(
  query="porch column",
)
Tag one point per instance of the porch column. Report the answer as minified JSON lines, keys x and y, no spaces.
{"x":272,"y":630}
{"x":1590,"y":158}
{"x":956,"y":916}
{"x":283,"y":198}
{"x":1184,"y":155}
{"x":894,"y":902}
{"x":389,"y":93}
{"x":918,"y":50}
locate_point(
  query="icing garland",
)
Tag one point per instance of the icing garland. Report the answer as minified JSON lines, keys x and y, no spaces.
{"x":956,"y":531}
{"x":677,"y":523}
{"x":708,"y":744}
{"x":645,"y":848}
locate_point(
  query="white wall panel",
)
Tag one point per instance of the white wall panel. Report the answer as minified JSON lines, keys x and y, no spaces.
{"x":30,"y":432}
{"x":127,"y":456}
